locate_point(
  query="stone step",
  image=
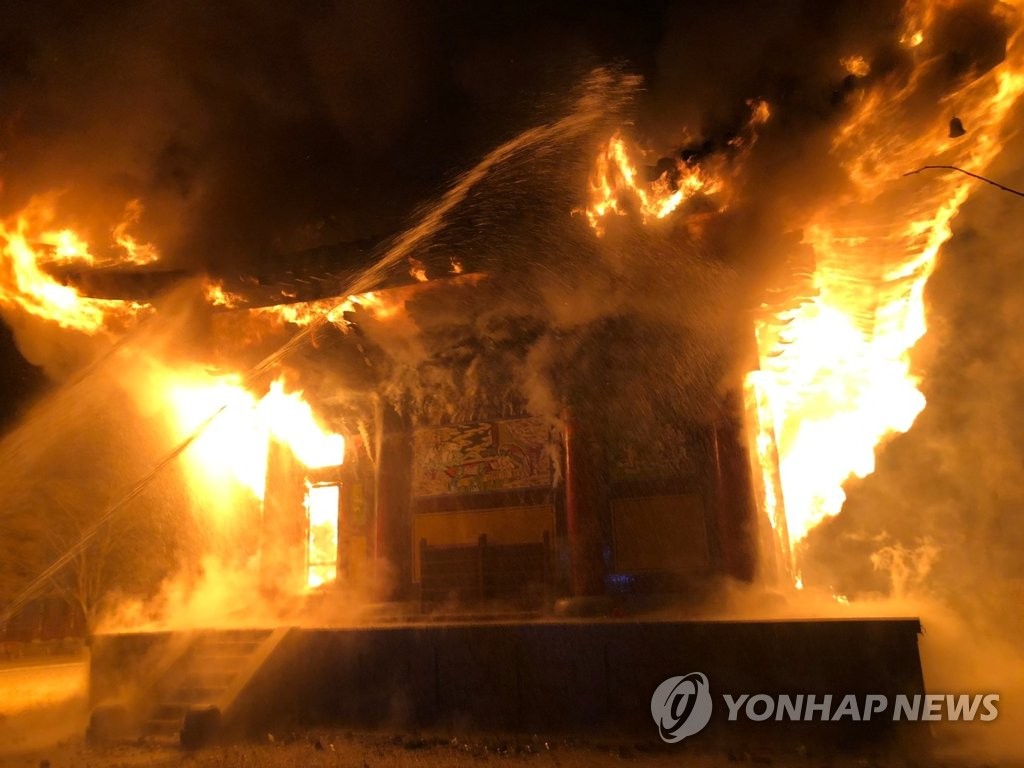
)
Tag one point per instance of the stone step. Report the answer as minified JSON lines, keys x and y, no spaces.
{"x":162,"y":726}
{"x":250,"y":638}
{"x":219,"y":660}
{"x":197,"y":694}
{"x":201,"y":678}
{"x":170,"y":710}
{"x":228,"y":643}
{"x":211,"y":678}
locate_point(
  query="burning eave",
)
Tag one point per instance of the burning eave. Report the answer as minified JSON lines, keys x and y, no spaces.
{"x":121,"y":283}
{"x":310,"y":275}
{"x":341,"y":358}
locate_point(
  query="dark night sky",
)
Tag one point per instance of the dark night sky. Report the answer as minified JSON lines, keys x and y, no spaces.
{"x":19,"y":380}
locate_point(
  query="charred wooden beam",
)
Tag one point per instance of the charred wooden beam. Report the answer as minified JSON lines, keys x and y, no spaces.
{"x":126,"y":284}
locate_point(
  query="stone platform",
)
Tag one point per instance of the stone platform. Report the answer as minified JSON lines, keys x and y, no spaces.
{"x":571,"y":677}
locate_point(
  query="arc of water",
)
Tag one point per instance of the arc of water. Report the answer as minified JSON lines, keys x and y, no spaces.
{"x":604,"y":94}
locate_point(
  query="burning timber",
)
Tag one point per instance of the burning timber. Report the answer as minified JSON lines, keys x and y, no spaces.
{"x":312,"y":275}
{"x":482,"y":512}
{"x":510,"y":604}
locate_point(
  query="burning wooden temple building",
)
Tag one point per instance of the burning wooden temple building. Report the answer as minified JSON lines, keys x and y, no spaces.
{"x":452,"y":491}
{"x":488,"y":516}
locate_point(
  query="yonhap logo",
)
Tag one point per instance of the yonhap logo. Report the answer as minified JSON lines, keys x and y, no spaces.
{"x":681,"y":706}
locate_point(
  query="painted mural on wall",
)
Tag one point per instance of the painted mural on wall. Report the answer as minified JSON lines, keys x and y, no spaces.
{"x":666,"y":452}
{"x":482,"y":456}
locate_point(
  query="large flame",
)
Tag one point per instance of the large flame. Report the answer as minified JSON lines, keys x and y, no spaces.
{"x":232,"y":451}
{"x":616,"y":186}
{"x":28,"y":241}
{"x":233,"y":448}
{"x":234,"y":425}
{"x":134,"y":251}
{"x":835,"y":374}
{"x":835,"y":370}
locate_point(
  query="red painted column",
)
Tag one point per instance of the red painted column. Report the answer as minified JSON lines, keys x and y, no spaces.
{"x":735,"y":508}
{"x":393,"y":506}
{"x":586,"y":500}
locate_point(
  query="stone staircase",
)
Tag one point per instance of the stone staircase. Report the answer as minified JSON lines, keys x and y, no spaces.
{"x":200,"y":687}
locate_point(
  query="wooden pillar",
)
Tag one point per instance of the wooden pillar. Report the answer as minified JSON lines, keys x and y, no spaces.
{"x":586,"y":500}
{"x":283,"y":544}
{"x":393,"y":505}
{"x":735,"y":507}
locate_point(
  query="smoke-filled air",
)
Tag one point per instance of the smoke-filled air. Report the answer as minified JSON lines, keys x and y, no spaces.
{"x":260,"y":264}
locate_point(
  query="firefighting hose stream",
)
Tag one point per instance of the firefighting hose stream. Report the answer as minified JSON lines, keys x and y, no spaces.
{"x":603,"y":93}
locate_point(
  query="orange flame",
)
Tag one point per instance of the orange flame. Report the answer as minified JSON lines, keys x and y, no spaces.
{"x":25,"y":285}
{"x":67,"y":246}
{"x":418,"y":270}
{"x":219,"y":297}
{"x":233,"y":448}
{"x":321,"y":503}
{"x":835,"y":365}
{"x":303,"y":313}
{"x":290,"y":420}
{"x":232,"y":427}
{"x":135,"y":252}
{"x":856,"y":65}
{"x":616,"y":187}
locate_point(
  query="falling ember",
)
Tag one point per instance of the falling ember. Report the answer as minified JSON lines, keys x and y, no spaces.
{"x":834,"y":362}
{"x":219,"y":297}
{"x":913,"y":39}
{"x":417,"y":270}
{"x":760,"y":113}
{"x":856,"y":65}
